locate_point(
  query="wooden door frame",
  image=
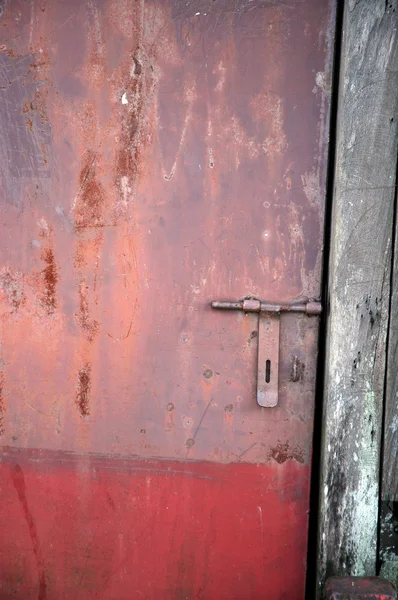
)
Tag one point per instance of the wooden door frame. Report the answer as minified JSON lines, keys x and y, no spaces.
{"x":359,"y":290}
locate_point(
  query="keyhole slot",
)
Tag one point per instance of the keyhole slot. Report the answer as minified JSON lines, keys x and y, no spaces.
{"x":267,"y":371}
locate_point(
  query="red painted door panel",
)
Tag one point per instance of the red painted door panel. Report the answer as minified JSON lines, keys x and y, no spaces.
{"x":157,"y":155}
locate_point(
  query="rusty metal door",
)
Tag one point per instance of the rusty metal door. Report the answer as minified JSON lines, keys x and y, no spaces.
{"x":158,"y":155}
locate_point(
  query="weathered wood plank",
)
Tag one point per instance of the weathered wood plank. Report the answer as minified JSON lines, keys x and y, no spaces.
{"x":359,"y":289}
{"x":390,"y":458}
{"x":388,"y":543}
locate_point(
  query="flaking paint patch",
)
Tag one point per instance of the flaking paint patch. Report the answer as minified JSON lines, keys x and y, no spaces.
{"x":310,"y":279}
{"x":12,"y":288}
{"x":243,"y":144}
{"x":296,"y":253}
{"x":89,"y":326}
{"x":320,"y":80}
{"x":268,"y":108}
{"x":312,"y":188}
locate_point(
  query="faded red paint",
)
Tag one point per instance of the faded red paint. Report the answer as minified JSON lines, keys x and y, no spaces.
{"x":153,"y":160}
{"x":94,"y":527}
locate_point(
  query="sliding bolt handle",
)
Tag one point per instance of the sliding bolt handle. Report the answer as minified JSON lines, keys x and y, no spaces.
{"x":254,"y":305}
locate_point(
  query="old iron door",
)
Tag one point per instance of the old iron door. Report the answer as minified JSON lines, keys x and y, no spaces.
{"x":157,"y":155}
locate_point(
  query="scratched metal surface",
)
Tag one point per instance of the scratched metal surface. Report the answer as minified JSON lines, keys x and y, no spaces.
{"x":156,"y":156}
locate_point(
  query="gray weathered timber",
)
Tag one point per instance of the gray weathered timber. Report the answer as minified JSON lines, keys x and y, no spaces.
{"x":359,"y":288}
{"x":388,"y":543}
{"x":390,"y":462}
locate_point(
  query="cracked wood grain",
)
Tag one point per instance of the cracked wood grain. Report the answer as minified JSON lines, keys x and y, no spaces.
{"x":359,"y":289}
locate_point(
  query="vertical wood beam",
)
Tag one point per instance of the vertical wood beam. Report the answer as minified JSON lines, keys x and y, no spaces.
{"x":388,"y":543}
{"x":359,"y":289}
{"x":390,"y":462}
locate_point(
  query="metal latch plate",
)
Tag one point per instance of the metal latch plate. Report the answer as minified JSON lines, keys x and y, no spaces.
{"x":268,"y":360}
{"x":268,"y":339}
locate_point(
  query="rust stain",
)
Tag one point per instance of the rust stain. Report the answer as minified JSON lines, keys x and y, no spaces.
{"x":282,"y":452}
{"x":41,"y":64}
{"x":127,"y":155}
{"x":91,"y":196}
{"x":40,"y":106}
{"x":50,"y":278}
{"x":28,"y":107}
{"x":136,"y":97}
{"x":44,"y":152}
{"x":84,"y":389}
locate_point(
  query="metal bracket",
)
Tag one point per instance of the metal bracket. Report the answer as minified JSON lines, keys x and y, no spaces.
{"x":268,"y":340}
